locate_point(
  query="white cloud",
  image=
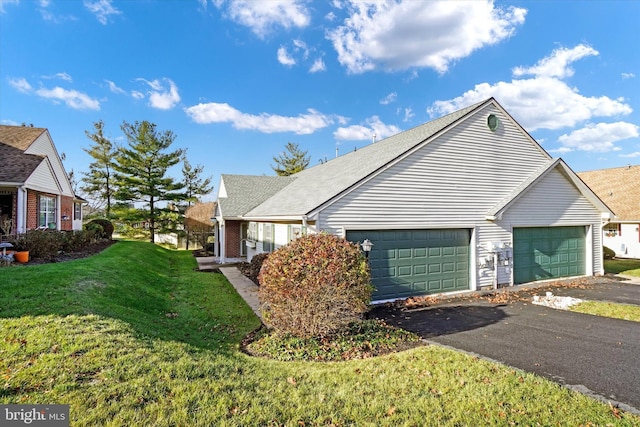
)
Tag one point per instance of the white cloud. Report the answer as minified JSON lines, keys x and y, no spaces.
{"x":557,"y":64}
{"x":373,"y":127}
{"x":389,"y":98}
{"x":114,"y":88}
{"x":73,"y":98}
{"x":631,"y":155}
{"x":262,"y":17}
{"x":161,"y":96}
{"x":137,"y":94}
{"x":3,"y":3}
{"x":317,"y":66}
{"x":102,"y":9}
{"x":397,"y":35}
{"x":599,"y":137}
{"x":541,"y":102}
{"x":628,"y":75}
{"x":408,"y":115}
{"x":284,"y":58}
{"x":21,"y":85}
{"x":61,"y":76}
{"x":48,"y":15}
{"x":302,"y":124}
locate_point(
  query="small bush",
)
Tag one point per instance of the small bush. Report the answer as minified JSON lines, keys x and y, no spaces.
{"x":103,"y":227}
{"x":43,"y":244}
{"x":74,"y":241}
{"x":314,"y":286}
{"x":608,"y":253}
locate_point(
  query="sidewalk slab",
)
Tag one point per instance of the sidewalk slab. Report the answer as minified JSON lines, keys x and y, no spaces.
{"x":244,"y":286}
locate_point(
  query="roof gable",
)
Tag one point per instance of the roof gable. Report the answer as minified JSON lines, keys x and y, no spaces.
{"x":238,"y":194}
{"x":497,"y":211}
{"x":27,"y":147}
{"x":316,"y":185}
{"x":17,"y":166}
{"x":20,"y":137}
{"x":619,"y":188}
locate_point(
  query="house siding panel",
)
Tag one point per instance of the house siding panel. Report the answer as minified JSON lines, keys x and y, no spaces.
{"x":42,"y":179}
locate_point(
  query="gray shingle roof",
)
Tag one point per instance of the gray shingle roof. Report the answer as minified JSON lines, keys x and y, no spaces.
{"x":244,"y":192}
{"x":314,"y":186}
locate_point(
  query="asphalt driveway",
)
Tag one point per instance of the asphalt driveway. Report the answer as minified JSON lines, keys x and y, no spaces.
{"x":595,"y":355}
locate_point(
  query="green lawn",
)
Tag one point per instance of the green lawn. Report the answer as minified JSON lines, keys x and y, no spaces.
{"x":134,"y":336}
{"x":609,"y":309}
{"x":630,"y":267}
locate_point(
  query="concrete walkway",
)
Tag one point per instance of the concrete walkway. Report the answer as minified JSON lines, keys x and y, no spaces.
{"x":243,"y":285}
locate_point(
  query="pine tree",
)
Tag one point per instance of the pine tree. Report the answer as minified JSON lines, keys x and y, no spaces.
{"x":291,"y":161}
{"x":142,"y":169}
{"x":194,"y":185}
{"x":98,"y":183}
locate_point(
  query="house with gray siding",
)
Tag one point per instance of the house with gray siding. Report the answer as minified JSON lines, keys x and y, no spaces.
{"x":467,"y":201}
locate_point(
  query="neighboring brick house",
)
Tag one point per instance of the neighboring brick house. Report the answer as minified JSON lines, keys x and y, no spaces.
{"x":619,"y":188}
{"x":35,"y":191}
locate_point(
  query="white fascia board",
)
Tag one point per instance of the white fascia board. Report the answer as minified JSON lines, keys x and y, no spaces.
{"x":283,"y":218}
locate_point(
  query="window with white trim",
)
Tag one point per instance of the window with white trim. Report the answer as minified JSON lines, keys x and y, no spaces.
{"x":47,"y":212}
{"x":77,"y":211}
{"x":252,"y":231}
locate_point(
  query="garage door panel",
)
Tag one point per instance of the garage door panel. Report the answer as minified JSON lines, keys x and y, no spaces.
{"x":416,"y":262}
{"x":548,"y":252}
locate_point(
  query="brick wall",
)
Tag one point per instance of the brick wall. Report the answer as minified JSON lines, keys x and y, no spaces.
{"x":66,"y":209}
{"x":232,"y":239}
{"x":32,"y":209}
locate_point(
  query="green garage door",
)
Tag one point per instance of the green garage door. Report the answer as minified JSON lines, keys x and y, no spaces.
{"x":548,"y":252}
{"x":408,"y":263}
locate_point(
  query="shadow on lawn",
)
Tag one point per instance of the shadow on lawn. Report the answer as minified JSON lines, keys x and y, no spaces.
{"x":442,"y":320}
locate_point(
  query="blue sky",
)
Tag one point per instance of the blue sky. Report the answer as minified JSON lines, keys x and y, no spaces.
{"x":236,"y":80}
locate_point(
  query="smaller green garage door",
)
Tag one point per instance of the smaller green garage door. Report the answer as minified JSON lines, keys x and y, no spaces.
{"x":541,"y":253}
{"x":407,"y":263}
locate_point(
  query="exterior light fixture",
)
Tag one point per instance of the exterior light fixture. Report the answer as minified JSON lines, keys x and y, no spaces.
{"x":366,"y":247}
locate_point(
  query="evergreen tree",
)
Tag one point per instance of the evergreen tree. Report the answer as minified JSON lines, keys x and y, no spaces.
{"x":291,"y":161}
{"x":194,"y":186}
{"x":98,"y":184}
{"x":141,"y":169}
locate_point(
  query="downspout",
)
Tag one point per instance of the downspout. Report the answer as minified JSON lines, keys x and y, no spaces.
{"x":223,"y":241}
{"x":21,"y":210}
{"x":304,"y":224}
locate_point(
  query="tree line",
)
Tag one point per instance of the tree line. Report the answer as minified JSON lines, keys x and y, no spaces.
{"x":130,"y":182}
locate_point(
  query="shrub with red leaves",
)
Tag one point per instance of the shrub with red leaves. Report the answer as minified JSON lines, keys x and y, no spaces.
{"x":314,"y":286}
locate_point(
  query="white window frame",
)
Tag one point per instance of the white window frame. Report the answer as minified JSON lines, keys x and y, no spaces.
{"x":47,"y":211}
